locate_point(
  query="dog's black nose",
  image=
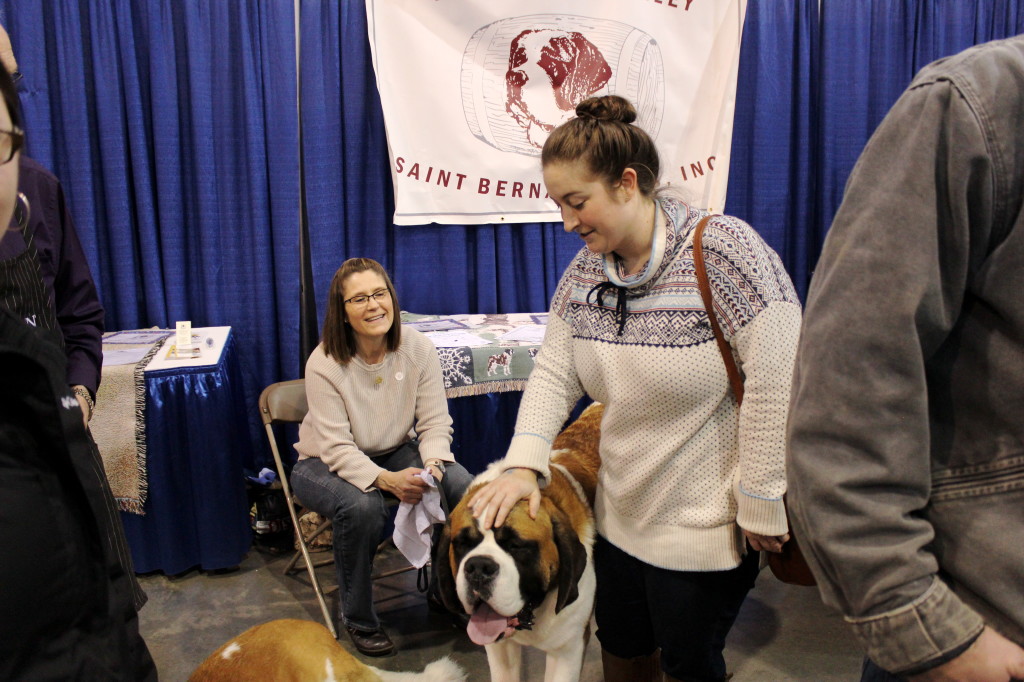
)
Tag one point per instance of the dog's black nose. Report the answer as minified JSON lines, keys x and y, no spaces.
{"x":480,"y":569}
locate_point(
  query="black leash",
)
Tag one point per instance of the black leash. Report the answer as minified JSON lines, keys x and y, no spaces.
{"x":603,"y":288}
{"x":423,"y":573}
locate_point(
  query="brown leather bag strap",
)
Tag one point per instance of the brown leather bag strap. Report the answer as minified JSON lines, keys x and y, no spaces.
{"x":705,"y":293}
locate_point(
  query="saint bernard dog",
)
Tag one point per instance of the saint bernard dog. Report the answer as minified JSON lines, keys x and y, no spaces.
{"x":530,"y":582}
{"x":290,"y":650}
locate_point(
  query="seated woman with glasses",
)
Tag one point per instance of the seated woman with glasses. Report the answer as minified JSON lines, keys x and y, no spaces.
{"x":377,"y":418}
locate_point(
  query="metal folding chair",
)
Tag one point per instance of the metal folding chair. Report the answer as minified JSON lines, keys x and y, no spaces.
{"x":285,"y":403}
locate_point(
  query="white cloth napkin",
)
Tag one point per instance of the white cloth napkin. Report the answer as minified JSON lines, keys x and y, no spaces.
{"x":413,"y":523}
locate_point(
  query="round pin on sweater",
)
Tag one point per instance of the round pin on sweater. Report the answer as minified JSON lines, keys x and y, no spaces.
{"x":399,"y":376}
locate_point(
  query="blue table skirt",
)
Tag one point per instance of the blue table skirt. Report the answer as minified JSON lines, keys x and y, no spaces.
{"x":197,"y":437}
{"x":483,"y":426}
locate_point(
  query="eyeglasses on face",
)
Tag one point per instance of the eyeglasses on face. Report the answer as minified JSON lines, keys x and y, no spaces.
{"x":10,"y":143}
{"x":363,"y":299}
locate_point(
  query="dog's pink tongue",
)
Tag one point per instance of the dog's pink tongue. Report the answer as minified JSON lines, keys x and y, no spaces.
{"x":485,"y":625}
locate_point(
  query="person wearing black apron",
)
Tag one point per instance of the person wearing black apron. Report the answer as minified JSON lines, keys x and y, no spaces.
{"x":66,"y":590}
{"x":23,"y":294}
{"x":68,"y":612}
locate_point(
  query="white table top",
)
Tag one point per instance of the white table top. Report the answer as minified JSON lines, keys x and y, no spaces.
{"x":209,"y":340}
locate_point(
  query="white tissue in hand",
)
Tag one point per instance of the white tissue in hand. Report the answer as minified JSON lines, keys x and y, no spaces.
{"x":414,"y":522}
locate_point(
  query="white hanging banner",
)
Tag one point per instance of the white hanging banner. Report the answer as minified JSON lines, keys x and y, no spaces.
{"x":471,"y":88}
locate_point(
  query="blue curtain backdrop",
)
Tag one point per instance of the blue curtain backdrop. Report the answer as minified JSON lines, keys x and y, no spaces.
{"x":774,"y":161}
{"x":173,"y":125}
{"x":176,"y":139}
{"x":869,"y":52}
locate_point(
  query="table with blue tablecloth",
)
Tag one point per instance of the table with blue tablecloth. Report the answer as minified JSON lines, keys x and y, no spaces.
{"x":196,"y":439}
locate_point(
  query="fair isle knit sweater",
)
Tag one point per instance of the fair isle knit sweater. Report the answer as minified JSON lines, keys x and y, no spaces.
{"x":359,"y":411}
{"x":683,"y":468}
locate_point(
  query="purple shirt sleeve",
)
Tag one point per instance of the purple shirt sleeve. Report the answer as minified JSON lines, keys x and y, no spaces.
{"x":65,"y":273}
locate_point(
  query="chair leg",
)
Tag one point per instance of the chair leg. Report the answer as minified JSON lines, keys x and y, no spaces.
{"x":268,"y":417}
{"x":289,"y":568}
{"x":316,"y":588}
{"x":311,"y":567}
{"x":292,"y":565}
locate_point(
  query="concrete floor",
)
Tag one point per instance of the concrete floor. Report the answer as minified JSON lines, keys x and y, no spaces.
{"x":782,"y":633}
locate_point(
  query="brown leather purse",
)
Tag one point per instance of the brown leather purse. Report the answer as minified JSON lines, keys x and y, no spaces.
{"x":789,"y":565}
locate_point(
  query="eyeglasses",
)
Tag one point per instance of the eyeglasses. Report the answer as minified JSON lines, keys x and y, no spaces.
{"x":10,"y":142}
{"x":363,"y":299}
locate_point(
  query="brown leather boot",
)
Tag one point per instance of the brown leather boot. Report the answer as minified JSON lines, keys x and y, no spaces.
{"x":639,"y":669}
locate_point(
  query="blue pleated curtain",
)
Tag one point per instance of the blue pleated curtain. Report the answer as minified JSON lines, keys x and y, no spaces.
{"x":813,"y":85}
{"x":174,"y":126}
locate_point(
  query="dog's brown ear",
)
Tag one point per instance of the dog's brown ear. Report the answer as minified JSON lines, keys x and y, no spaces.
{"x":572,"y":559}
{"x":443,"y":569}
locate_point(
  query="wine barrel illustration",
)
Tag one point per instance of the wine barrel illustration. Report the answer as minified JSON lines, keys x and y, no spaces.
{"x":522,"y":76}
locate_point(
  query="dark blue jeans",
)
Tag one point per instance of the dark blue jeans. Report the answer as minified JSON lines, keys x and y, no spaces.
{"x":640,"y":608}
{"x":358,"y":521}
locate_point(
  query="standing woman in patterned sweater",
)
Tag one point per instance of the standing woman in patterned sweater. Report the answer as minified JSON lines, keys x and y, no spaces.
{"x":688,"y":479}
{"x":377,"y":418}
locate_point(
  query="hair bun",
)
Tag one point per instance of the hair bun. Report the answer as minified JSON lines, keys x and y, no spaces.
{"x":607,"y":108}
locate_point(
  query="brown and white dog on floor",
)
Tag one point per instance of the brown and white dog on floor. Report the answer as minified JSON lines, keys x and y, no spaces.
{"x":530,"y":582}
{"x":290,"y":650}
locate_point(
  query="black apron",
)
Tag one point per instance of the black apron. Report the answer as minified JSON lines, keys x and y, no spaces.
{"x":23,"y":294}
{"x":72,"y":615}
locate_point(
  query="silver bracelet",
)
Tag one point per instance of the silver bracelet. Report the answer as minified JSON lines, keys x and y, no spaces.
{"x":83,"y":392}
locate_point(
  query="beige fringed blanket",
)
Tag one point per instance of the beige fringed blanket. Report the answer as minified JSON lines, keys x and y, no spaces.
{"x":119,"y":428}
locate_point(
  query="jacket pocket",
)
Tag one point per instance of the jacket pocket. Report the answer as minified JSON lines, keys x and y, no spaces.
{"x":991,"y":478}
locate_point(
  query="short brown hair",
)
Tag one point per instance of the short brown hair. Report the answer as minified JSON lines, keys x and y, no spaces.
{"x":338,"y":338}
{"x":603,"y":138}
